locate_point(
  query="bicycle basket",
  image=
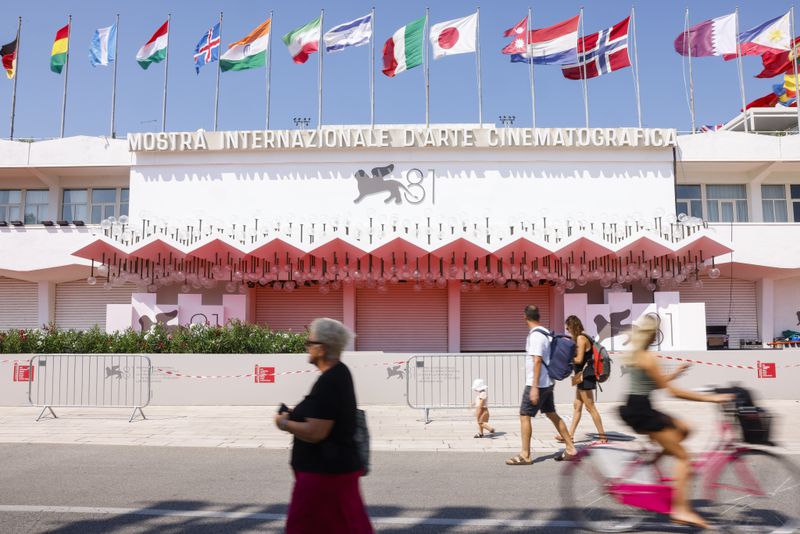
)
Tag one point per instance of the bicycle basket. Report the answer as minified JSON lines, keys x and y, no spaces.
{"x":755,"y":423}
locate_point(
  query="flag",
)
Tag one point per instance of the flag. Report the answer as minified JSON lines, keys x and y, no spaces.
{"x":250,"y":52}
{"x":600,"y":53}
{"x":711,"y":127}
{"x":459,"y":36}
{"x":555,"y":45}
{"x":8,"y":54}
{"x":766,"y":101}
{"x":403,"y":50}
{"x":304,"y":40}
{"x":207,"y":49}
{"x":787,"y":91}
{"x":354,"y":33}
{"x":776,"y":62}
{"x":155,"y":50}
{"x":58,"y":56}
{"x":715,"y":37}
{"x":771,"y":36}
{"x":104,"y":46}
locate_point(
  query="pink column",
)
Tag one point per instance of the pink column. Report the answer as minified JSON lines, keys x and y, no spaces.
{"x":250,"y":316}
{"x":453,"y":316}
{"x":349,"y":309}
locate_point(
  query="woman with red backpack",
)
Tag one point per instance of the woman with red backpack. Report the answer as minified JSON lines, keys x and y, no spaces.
{"x":583,"y":379}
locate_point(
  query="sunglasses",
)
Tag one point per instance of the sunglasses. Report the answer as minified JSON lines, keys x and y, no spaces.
{"x":310,"y":342}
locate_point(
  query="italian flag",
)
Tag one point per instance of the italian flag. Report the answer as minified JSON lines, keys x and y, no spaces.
{"x":403,"y":50}
{"x":58,"y":57}
{"x":250,"y":52}
{"x":304,"y":41}
{"x":155,"y":50}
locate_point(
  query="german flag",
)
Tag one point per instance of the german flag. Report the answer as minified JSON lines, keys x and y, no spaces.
{"x":58,"y":56}
{"x":8,"y":54}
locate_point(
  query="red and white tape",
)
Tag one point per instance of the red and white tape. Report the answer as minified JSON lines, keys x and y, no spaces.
{"x":251,"y":375}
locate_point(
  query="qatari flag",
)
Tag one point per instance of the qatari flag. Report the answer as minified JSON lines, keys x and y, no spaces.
{"x":713,"y":37}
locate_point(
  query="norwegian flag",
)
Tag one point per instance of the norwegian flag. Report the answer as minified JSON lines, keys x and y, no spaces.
{"x":601,"y":53}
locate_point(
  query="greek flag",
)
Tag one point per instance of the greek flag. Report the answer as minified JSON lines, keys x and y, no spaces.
{"x":103,"y":48}
{"x":354,"y":33}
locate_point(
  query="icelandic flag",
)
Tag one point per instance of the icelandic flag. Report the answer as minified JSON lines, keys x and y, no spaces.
{"x":555,"y":45}
{"x":207,"y":49}
{"x":104,"y":46}
{"x":354,"y":33}
{"x":771,"y":36}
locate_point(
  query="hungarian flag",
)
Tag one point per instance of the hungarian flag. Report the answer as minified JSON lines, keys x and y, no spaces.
{"x":8,"y":53}
{"x":58,"y":56}
{"x":600,"y":53}
{"x":304,"y":40}
{"x":775,"y":62}
{"x":403,"y":50}
{"x":154,"y":50}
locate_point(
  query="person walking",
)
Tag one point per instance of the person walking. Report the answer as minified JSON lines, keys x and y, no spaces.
{"x":667,"y":431}
{"x":538,"y":393}
{"x":583,"y":379}
{"x":326,"y":495}
{"x":481,"y":407}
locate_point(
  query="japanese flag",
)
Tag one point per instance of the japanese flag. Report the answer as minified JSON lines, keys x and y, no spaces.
{"x":457,"y":36}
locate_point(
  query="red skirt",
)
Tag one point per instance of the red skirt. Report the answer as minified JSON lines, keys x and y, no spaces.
{"x":329,"y":503}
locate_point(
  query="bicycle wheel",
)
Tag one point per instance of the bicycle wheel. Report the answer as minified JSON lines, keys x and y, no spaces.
{"x":584,"y":490}
{"x":756,"y":491}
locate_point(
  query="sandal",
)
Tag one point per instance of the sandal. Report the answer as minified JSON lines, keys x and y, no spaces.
{"x":564,"y":456}
{"x":478,"y":436}
{"x":519,"y":460}
{"x":559,"y":439}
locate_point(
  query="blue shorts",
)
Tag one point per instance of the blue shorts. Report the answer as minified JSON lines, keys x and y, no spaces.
{"x":546,"y":402}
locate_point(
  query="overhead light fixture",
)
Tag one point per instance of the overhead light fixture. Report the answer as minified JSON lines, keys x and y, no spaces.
{"x":48,"y":223}
{"x":3,"y":223}
{"x":63,"y":223}
{"x":78,"y":223}
{"x":17,"y":223}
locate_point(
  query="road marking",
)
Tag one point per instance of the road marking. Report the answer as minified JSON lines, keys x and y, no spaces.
{"x":400,"y":520}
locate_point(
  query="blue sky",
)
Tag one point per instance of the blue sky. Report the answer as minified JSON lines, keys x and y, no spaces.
{"x":346,"y":91}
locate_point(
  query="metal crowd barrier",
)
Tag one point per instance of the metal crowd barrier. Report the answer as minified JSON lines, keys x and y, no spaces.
{"x":444,"y":381}
{"x":90,"y":381}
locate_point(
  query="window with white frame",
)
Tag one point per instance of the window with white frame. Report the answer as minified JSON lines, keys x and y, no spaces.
{"x":75,"y":205}
{"x":689,"y":200}
{"x":773,"y":203}
{"x":104,"y":204}
{"x":726,"y":203}
{"x":95,"y":204}
{"x":10,"y":204}
{"x":37,"y":203}
{"x":794,"y":192}
{"x":124,"y":193}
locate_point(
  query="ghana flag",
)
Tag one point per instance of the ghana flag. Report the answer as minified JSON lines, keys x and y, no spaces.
{"x":8,"y":54}
{"x":58,"y":56}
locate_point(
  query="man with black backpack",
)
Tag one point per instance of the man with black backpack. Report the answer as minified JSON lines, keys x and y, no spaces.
{"x":538,"y":393}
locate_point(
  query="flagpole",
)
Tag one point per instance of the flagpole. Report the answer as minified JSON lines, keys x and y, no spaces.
{"x":16,"y":75}
{"x":114,"y":81}
{"x":741,"y":73}
{"x":792,"y":57}
{"x":269,"y":62}
{"x":688,"y":38}
{"x":427,"y":71}
{"x":530,"y":68}
{"x":478,"y":57}
{"x":216,"y":94}
{"x":635,"y":70}
{"x":166,"y":74}
{"x":583,"y":72}
{"x":372,"y":70}
{"x":66,"y":75}
{"x":321,"y":54}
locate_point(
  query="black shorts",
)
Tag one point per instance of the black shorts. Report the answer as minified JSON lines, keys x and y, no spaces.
{"x":546,"y":402}
{"x":639,"y":414}
{"x":588,"y":384}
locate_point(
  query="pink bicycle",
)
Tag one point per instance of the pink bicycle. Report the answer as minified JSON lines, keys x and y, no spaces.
{"x":743,"y":489}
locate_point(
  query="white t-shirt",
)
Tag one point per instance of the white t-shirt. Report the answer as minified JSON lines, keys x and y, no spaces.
{"x":538,"y":344}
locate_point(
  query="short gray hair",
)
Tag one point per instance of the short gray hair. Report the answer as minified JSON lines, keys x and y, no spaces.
{"x":332,"y":334}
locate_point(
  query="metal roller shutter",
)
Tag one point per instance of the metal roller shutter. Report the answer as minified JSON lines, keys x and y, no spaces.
{"x":402,"y":319}
{"x":80,"y":306}
{"x":294,"y":311}
{"x":492,"y":319}
{"x":19,"y":306}
{"x":723,"y":300}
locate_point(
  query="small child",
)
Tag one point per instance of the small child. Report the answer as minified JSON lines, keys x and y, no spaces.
{"x":481,"y":408}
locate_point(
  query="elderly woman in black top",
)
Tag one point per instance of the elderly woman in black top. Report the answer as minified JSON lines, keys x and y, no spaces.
{"x":325,"y":460}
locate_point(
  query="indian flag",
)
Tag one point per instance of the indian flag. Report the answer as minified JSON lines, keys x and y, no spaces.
{"x":250,"y":52}
{"x":155,"y":50}
{"x":304,"y":41}
{"x":403,"y":50}
{"x":58,"y":57}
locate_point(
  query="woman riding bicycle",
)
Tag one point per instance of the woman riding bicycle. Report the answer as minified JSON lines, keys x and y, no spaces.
{"x":667,"y":431}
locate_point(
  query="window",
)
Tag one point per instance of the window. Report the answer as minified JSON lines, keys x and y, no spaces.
{"x":773,"y":203}
{"x":36,"y":206}
{"x":10,"y":201}
{"x":689,"y":200}
{"x":726,"y":203}
{"x":104,"y":204}
{"x":123,"y":201}
{"x":75,"y":205}
{"x":795,"y":193}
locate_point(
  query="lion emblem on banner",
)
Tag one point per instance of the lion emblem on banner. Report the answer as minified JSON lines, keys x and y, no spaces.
{"x":376,"y":183}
